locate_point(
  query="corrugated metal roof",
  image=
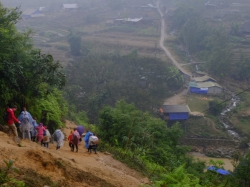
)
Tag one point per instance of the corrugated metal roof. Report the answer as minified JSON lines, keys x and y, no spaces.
{"x":70,"y":6}
{"x":130,"y":20}
{"x":203,"y":84}
{"x":203,"y":78}
{"x":175,"y":108}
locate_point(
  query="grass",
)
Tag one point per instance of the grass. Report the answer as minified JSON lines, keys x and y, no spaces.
{"x":204,"y":127}
{"x":148,"y":31}
{"x":197,"y":103}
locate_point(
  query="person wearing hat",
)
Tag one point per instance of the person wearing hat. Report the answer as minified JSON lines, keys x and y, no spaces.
{"x":40,"y":130}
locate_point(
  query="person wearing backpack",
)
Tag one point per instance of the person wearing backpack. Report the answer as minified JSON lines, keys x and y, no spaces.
{"x":40,"y":129}
{"x":93,"y":141}
{"x":75,"y":139}
{"x":34,"y":131}
{"x":11,"y":120}
{"x":46,"y":138}
{"x":70,"y":140}
{"x":58,"y":138}
{"x":26,"y":126}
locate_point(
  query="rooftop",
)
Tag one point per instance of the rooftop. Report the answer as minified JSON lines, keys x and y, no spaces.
{"x":204,"y":84}
{"x":70,"y":6}
{"x":175,"y":108}
{"x":129,"y":19}
{"x":203,"y":78}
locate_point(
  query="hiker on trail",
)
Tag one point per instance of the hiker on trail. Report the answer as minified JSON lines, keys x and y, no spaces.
{"x":58,"y":137}
{"x":40,"y":130}
{"x":70,"y":140}
{"x":93,"y":141}
{"x":11,"y":121}
{"x":34,"y":131}
{"x":46,"y":138}
{"x":26,"y":126}
{"x":86,"y":139}
{"x":75,"y":139}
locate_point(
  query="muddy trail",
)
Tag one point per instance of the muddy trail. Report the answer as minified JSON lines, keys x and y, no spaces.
{"x":41,"y":166}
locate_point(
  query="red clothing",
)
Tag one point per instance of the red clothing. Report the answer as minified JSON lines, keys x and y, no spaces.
{"x":40,"y":129}
{"x":11,"y":117}
{"x":70,"y":138}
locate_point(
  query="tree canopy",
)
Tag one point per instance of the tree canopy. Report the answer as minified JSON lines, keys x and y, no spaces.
{"x":99,"y":80}
{"x":25,"y":73}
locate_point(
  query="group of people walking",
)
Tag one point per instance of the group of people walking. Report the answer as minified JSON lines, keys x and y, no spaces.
{"x":90,"y":139}
{"x":33,"y":131}
{"x":30,"y":129}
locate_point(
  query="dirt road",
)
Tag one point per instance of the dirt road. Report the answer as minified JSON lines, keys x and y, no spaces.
{"x":162,"y":39}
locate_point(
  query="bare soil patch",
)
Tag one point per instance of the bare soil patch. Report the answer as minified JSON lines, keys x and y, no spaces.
{"x":68,"y":168}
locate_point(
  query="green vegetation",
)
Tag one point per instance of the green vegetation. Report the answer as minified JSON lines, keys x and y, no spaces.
{"x":26,"y":75}
{"x":210,"y":42}
{"x":98,"y":80}
{"x":100,"y":86}
{"x":75,"y":44}
{"x":5,"y":175}
{"x":215,"y":107}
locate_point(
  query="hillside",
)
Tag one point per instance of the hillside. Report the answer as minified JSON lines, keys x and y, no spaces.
{"x":40,"y":166}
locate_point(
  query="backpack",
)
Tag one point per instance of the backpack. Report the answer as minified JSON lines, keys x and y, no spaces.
{"x":75,"y":137}
{"x":94,"y":139}
{"x":6,"y":116}
{"x":25,"y":118}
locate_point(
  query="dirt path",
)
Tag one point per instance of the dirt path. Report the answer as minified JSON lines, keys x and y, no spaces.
{"x":95,"y":169}
{"x":162,"y":39}
{"x":176,"y":99}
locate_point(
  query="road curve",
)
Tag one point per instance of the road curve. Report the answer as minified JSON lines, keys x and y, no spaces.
{"x":163,"y":36}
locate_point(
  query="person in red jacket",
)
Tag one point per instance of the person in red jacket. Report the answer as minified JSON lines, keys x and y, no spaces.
{"x":40,"y":131}
{"x":70,"y":140}
{"x":11,"y":120}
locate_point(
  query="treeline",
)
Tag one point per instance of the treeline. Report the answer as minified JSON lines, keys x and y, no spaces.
{"x":211,"y":43}
{"x":97,"y":80}
{"x":28,"y":77}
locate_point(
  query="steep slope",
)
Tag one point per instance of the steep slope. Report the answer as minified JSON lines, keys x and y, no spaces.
{"x":66,"y":168}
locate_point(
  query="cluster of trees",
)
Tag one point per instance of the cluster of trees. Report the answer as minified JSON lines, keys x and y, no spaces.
{"x":207,"y":42}
{"x":99,"y":80}
{"x":148,"y":138}
{"x":28,"y":77}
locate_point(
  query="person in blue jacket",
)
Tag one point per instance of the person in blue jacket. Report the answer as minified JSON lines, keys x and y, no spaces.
{"x":86,"y":139}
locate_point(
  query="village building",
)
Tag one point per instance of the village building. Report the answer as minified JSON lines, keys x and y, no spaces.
{"x":205,"y":78}
{"x":32,"y":13}
{"x":175,"y":112}
{"x":132,"y":21}
{"x":205,"y":88}
{"x":70,"y":7}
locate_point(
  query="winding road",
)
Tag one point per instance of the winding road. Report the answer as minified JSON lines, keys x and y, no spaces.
{"x":162,"y":39}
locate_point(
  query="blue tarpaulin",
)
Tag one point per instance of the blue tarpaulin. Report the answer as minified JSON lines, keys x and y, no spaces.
{"x":178,"y":116}
{"x":218,"y":170}
{"x":198,"y":90}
